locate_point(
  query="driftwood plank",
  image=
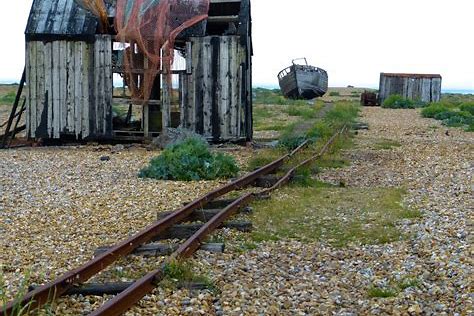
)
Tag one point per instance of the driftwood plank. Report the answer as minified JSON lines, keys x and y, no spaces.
{"x":86,"y":86}
{"x":63,"y":54}
{"x":56,"y":90}
{"x":78,"y":88}
{"x":233,"y":86}
{"x":33,"y":88}
{"x":223,"y":92}
{"x":40,"y":91}
{"x":108,"y":89}
{"x":69,"y":105}
{"x":28,"y":90}
{"x":48,"y":68}
{"x":207,"y":85}
{"x":96,"y":95}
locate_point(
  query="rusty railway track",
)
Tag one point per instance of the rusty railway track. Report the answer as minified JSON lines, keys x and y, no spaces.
{"x":137,"y":290}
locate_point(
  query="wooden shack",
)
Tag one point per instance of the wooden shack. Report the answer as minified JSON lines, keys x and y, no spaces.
{"x":417,"y":87}
{"x":68,"y":73}
{"x":70,"y":66}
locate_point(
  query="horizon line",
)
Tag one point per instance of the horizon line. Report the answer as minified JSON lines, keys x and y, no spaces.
{"x":275,"y":86}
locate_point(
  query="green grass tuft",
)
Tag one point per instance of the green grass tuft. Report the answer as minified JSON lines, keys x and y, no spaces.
{"x":386,"y":144}
{"x":274,"y":97}
{"x":451,"y":113}
{"x":305,"y":111}
{"x":398,"y":102}
{"x":467,"y":107}
{"x":376,"y":292}
{"x":434,"y":109}
{"x":408,"y":282}
{"x":291,"y":142}
{"x":18,"y":309}
{"x":8,"y":99}
{"x":343,"y":113}
{"x":332,"y":214}
{"x":264,"y":157}
{"x":181,"y":273}
{"x":190,"y":160}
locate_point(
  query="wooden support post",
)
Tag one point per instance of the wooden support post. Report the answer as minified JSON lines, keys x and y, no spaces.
{"x":18,"y":118}
{"x":146,"y":106}
{"x":166,"y":89}
{"x":146,"y":119}
{"x":14,"y":108}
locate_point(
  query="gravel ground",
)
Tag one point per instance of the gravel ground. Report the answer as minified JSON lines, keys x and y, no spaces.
{"x":47,"y":191}
{"x":292,"y":278}
{"x":57,"y":205}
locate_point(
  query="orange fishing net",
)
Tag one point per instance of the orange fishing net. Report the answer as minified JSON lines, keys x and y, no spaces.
{"x":148,"y":28}
{"x":153,"y":25}
{"x":98,"y":8}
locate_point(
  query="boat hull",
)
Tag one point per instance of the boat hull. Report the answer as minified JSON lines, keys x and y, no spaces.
{"x":303,"y":82}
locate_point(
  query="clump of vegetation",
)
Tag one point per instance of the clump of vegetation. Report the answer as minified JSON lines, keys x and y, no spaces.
{"x":386,"y":144}
{"x":190,"y":160}
{"x":408,"y":282}
{"x":343,"y":113}
{"x":337,"y":215}
{"x":434,"y":109}
{"x":398,"y":102}
{"x":18,"y":309}
{"x":334,"y":94}
{"x":451,"y":114}
{"x":376,"y":292}
{"x":180,"y":273}
{"x":394,"y":289}
{"x":8,"y":98}
{"x":273,"y":96}
{"x":306,"y":111}
{"x":467,"y":107}
{"x":291,"y":142}
{"x":320,"y":130}
{"x":264,"y":158}
{"x":270,"y":117}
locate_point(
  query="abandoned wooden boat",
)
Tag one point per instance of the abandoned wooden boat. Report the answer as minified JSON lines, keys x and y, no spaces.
{"x":303,"y":81}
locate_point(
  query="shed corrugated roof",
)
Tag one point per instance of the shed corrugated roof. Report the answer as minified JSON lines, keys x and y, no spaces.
{"x":62,"y":17}
{"x":415,"y":76}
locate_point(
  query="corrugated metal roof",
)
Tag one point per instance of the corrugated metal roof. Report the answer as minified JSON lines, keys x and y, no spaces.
{"x":60,"y":17}
{"x":414,"y":76}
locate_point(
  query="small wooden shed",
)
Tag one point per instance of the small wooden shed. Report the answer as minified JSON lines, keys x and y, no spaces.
{"x":68,"y":73}
{"x":420,"y":87}
{"x":70,"y":66}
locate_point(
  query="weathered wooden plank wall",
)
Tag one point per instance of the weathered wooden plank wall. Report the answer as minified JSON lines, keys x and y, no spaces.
{"x":212,"y":103}
{"x":69,"y":88}
{"x":426,"y":88}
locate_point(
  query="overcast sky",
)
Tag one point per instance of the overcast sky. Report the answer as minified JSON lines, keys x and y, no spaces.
{"x":354,"y":40}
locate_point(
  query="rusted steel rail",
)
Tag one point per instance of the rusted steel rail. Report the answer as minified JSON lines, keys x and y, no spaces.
{"x":123,"y":301}
{"x":291,"y":173}
{"x":126,"y":299}
{"x":49,"y":292}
